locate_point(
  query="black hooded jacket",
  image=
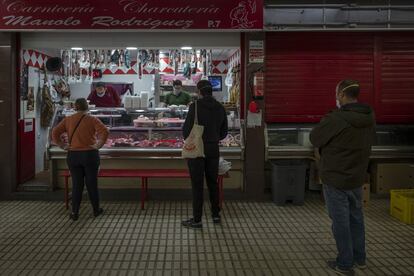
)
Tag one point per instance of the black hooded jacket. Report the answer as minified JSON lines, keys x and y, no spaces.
{"x":344,"y":138}
{"x":211,"y":115}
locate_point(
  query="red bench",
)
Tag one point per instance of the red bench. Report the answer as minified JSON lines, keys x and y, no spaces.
{"x":144,"y":174}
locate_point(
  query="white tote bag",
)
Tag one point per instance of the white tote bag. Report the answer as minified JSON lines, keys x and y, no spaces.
{"x":193,"y":145}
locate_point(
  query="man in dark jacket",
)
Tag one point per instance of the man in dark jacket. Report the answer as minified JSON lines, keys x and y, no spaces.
{"x":211,"y":115}
{"x":344,"y":138}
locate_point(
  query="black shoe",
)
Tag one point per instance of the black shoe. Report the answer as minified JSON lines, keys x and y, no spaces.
{"x":360,"y":265}
{"x":74,"y":216}
{"x":98,"y":212}
{"x":334,"y":267}
{"x":190,"y":223}
{"x":216,"y":219}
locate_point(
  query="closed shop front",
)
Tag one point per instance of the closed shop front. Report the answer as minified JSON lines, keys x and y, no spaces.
{"x":303,"y":68}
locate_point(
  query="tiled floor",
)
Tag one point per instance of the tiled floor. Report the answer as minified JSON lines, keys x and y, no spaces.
{"x":37,"y":238}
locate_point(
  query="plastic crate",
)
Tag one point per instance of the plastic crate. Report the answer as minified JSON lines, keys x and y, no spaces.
{"x":402,"y":205}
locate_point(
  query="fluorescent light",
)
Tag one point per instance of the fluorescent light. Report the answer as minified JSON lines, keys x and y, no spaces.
{"x":131,"y":48}
{"x":186,"y":48}
{"x":77,"y":48}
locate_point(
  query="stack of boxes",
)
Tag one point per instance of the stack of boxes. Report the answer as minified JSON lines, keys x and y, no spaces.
{"x":388,"y":176}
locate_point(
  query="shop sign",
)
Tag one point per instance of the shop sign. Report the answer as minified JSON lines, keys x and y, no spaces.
{"x":131,"y":14}
{"x":256,"y":51}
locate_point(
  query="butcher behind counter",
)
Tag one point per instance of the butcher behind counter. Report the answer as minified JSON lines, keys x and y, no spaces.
{"x":178,"y":96}
{"x":104,"y":96}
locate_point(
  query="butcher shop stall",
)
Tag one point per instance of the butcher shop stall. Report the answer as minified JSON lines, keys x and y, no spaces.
{"x":152,"y":78}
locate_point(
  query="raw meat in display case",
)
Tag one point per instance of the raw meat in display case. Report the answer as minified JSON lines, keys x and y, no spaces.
{"x":170,"y":122}
{"x":149,"y":128}
{"x":143,"y":121}
{"x":231,"y":141}
{"x":142,"y":140}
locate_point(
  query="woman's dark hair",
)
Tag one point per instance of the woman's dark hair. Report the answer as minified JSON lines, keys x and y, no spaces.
{"x":350,"y":88}
{"x":205,"y":88}
{"x":81,"y":104}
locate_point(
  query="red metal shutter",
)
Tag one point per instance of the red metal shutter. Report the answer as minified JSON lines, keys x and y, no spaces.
{"x":394,"y":74}
{"x":302,"y":70}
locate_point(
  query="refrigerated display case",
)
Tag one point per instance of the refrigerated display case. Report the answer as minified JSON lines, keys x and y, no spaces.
{"x":393,"y":152}
{"x":288,"y":142}
{"x":292,"y":141}
{"x":147,"y":138}
{"x":394,"y":142}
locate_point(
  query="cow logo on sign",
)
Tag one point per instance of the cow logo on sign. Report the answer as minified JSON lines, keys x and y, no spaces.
{"x":240,"y":15}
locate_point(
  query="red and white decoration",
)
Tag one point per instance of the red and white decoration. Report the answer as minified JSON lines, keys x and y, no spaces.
{"x":165,"y":66}
{"x":37,"y":59}
{"x":234,"y":59}
{"x":220,"y":67}
{"x":133,"y":70}
{"x":34,"y":58}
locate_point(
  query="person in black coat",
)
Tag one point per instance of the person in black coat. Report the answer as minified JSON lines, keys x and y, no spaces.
{"x":211,"y":115}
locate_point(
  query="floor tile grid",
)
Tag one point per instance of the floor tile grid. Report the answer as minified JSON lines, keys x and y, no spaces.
{"x":272,"y":228}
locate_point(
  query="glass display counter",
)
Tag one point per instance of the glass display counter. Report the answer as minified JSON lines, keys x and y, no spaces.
{"x":146,"y":137}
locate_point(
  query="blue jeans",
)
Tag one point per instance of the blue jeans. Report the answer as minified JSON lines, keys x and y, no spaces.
{"x":345,"y":211}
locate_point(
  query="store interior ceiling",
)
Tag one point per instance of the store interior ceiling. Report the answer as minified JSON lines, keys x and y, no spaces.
{"x":217,"y":53}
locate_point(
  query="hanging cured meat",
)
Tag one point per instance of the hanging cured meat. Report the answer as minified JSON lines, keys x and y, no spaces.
{"x":108,"y":59}
{"x":66,"y":64}
{"x":115,"y":57}
{"x":187,"y":70}
{"x":47,"y":107}
{"x":127,"y":59}
{"x":78,"y":66}
{"x":139,"y":64}
{"x":90,"y":65}
{"x":171,"y":59}
{"x":204,"y":61}
{"x":121,"y":62}
{"x":177,"y":61}
{"x":99,"y":58}
{"x":210,"y":63}
{"x":157,"y":60}
{"x":193,"y":62}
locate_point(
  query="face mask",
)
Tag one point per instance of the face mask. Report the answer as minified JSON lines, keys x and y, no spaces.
{"x":100,"y":94}
{"x":338,"y":104}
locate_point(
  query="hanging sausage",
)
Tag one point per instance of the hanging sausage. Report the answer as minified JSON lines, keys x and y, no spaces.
{"x":139,"y":63}
{"x":177,"y":61}
{"x":157,"y":59}
{"x":108,"y":59}
{"x":47,"y":107}
{"x":204,"y":58}
{"x":121,"y":61}
{"x":192,"y":62}
{"x":127,"y":59}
